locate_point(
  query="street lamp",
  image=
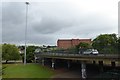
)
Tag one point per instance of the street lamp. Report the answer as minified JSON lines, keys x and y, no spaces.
{"x":27,"y":3}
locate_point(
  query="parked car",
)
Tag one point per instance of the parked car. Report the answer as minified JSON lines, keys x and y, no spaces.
{"x":91,"y":51}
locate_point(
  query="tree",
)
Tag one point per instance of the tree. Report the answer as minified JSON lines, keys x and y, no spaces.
{"x":30,"y":57}
{"x":83,"y":46}
{"x":118,"y":45}
{"x":106,"y":43}
{"x":10,"y":52}
{"x":71,"y":50}
{"x":30,"y":53}
{"x":0,"y":51}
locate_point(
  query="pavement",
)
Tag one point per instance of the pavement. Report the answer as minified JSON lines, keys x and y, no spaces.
{"x":67,"y":74}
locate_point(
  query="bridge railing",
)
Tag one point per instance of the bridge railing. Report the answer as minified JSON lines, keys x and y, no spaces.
{"x":80,"y":55}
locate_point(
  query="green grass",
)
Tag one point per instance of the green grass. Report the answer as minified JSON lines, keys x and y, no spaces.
{"x":26,"y":71}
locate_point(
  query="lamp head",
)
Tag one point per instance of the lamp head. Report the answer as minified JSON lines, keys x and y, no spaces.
{"x":27,"y":3}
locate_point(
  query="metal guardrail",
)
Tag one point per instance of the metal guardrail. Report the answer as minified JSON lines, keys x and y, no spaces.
{"x":80,"y":55}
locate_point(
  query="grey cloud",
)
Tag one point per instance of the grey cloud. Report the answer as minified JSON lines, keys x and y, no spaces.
{"x":13,"y":21}
{"x":0,"y":22}
{"x":13,"y":13}
{"x":90,"y":26}
{"x":52,"y":17}
{"x":41,"y":39}
{"x":50,"y":21}
{"x":50,"y":25}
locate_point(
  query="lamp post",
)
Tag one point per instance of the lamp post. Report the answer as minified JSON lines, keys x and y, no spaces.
{"x":27,"y":3}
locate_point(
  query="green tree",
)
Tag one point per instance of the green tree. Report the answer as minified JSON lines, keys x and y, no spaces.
{"x":10,"y":52}
{"x":30,"y":53}
{"x":106,"y":43}
{"x":83,"y":46}
{"x":118,"y":45}
{"x":0,"y":51}
{"x":71,"y":50}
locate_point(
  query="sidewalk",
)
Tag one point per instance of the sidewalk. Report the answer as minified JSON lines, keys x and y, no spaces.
{"x":67,"y":74}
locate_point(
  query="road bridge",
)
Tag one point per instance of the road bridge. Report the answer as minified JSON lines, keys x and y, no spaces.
{"x":100,"y":59}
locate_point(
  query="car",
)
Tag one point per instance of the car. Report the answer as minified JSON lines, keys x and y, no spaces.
{"x":95,"y":51}
{"x":91,"y":51}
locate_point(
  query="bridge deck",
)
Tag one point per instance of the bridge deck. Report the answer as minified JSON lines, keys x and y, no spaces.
{"x":100,"y":57}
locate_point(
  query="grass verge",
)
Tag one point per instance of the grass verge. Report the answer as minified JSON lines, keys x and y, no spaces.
{"x":26,"y":71}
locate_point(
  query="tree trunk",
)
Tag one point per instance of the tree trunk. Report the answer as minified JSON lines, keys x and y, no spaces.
{"x":6,"y":61}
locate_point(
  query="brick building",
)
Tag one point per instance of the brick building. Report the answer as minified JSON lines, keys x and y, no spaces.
{"x":67,"y":43}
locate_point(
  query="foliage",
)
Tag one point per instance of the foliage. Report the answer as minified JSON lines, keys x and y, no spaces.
{"x":83,"y":46}
{"x":72,"y":50}
{"x":30,"y":53}
{"x":10,"y":52}
{"x":106,"y":43}
{"x":118,"y":44}
{"x":0,"y":48}
{"x":30,"y":57}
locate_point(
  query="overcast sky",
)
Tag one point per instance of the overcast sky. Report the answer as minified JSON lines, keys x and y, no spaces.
{"x":50,"y":20}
